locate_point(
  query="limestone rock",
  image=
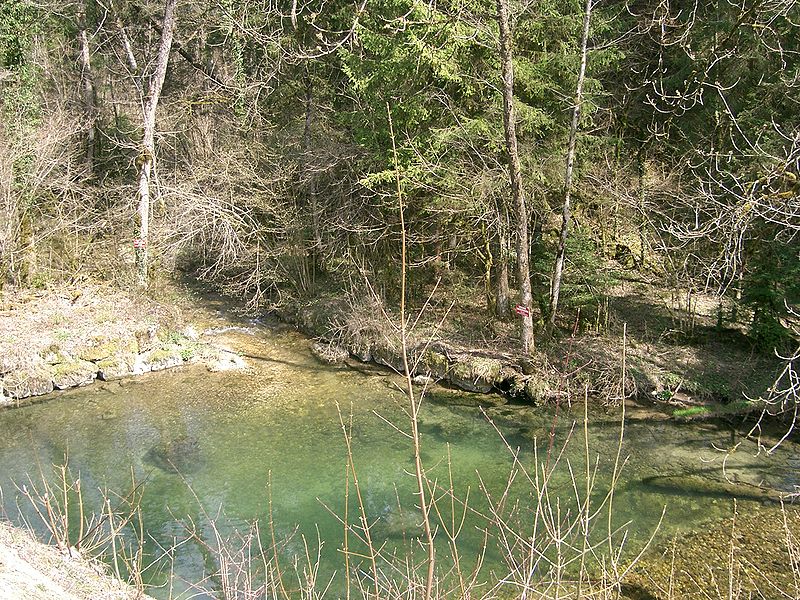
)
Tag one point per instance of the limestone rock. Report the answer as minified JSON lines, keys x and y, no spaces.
{"x":434,"y":363}
{"x":159,"y":359}
{"x":361,"y":350}
{"x":475,"y":373}
{"x":73,"y":373}
{"x":22,"y":383}
{"x":147,"y":339}
{"x":102,"y":347}
{"x":116,"y":366}
{"x":226,"y":361}
{"x":537,"y":390}
{"x":388,"y":357}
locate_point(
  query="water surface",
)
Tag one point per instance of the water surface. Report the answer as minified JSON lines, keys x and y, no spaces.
{"x":275,"y":434}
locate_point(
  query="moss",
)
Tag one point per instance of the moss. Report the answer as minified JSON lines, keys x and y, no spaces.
{"x":690,"y":412}
{"x":101,"y":348}
{"x":165,"y":353}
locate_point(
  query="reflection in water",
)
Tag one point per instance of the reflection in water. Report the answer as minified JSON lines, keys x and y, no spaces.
{"x":236,"y":439}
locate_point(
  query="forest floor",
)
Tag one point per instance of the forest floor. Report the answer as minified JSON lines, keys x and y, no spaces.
{"x":676,"y":356}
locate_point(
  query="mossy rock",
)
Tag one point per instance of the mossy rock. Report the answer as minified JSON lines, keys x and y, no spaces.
{"x":537,"y":390}
{"x":115,"y":367}
{"x":388,"y":356}
{"x":73,"y":373}
{"x":104,"y":347}
{"x":434,"y":363}
{"x":181,"y":455}
{"x":53,"y":355}
{"x":475,"y":373}
{"x":165,"y":357}
{"x":34,"y":381}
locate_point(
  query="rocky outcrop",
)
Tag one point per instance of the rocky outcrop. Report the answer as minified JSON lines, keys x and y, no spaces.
{"x":73,"y":373}
{"x":34,"y":381}
{"x":107,"y":358}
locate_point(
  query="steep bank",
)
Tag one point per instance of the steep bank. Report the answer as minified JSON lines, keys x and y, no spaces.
{"x":35,"y":571}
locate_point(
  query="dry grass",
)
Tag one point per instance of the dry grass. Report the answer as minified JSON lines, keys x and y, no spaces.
{"x":66,"y":319}
{"x":34,"y":571}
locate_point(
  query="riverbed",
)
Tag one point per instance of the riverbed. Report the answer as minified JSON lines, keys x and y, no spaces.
{"x":269,"y":446}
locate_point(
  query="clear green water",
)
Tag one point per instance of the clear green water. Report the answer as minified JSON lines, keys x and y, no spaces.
{"x":280,"y":422}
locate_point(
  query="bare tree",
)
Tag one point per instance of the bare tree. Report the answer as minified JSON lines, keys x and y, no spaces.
{"x":515,"y":174}
{"x":88,"y":89}
{"x":147,"y":155}
{"x":558,"y":270}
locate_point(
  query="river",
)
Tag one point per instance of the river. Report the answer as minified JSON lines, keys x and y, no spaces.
{"x":270,"y":441}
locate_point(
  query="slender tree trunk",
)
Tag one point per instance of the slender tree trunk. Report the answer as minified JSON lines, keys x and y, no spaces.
{"x":502,"y":307}
{"x":147,"y":155}
{"x":521,"y":212}
{"x":308,"y":168}
{"x":558,"y":270}
{"x":88,"y":90}
{"x":642,"y":193}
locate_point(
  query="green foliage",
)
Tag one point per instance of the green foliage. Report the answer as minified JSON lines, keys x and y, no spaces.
{"x":772,"y":282}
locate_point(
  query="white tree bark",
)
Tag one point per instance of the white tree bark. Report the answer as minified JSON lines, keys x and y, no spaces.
{"x":88,"y":89}
{"x":555,"y":288}
{"x":147,"y":156}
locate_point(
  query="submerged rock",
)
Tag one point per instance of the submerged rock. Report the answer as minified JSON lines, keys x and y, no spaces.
{"x":330,"y":354}
{"x":701,"y":486}
{"x":449,"y":397}
{"x":399,"y":522}
{"x":225,"y":360}
{"x":181,"y":455}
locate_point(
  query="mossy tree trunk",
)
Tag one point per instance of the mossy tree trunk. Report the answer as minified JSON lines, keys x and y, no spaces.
{"x":515,"y":174}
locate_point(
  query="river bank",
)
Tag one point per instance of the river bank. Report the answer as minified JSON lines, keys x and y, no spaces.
{"x":69,"y":337}
{"x":660,"y":359}
{"x":36,"y":571}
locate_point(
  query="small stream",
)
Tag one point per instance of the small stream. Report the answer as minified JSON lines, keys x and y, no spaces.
{"x":275,"y":435}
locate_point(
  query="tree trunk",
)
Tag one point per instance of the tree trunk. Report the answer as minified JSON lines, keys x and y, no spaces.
{"x":147,"y":156}
{"x":310,"y":176}
{"x":88,"y":90}
{"x":558,"y":270}
{"x":502,"y":307}
{"x":521,"y":212}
